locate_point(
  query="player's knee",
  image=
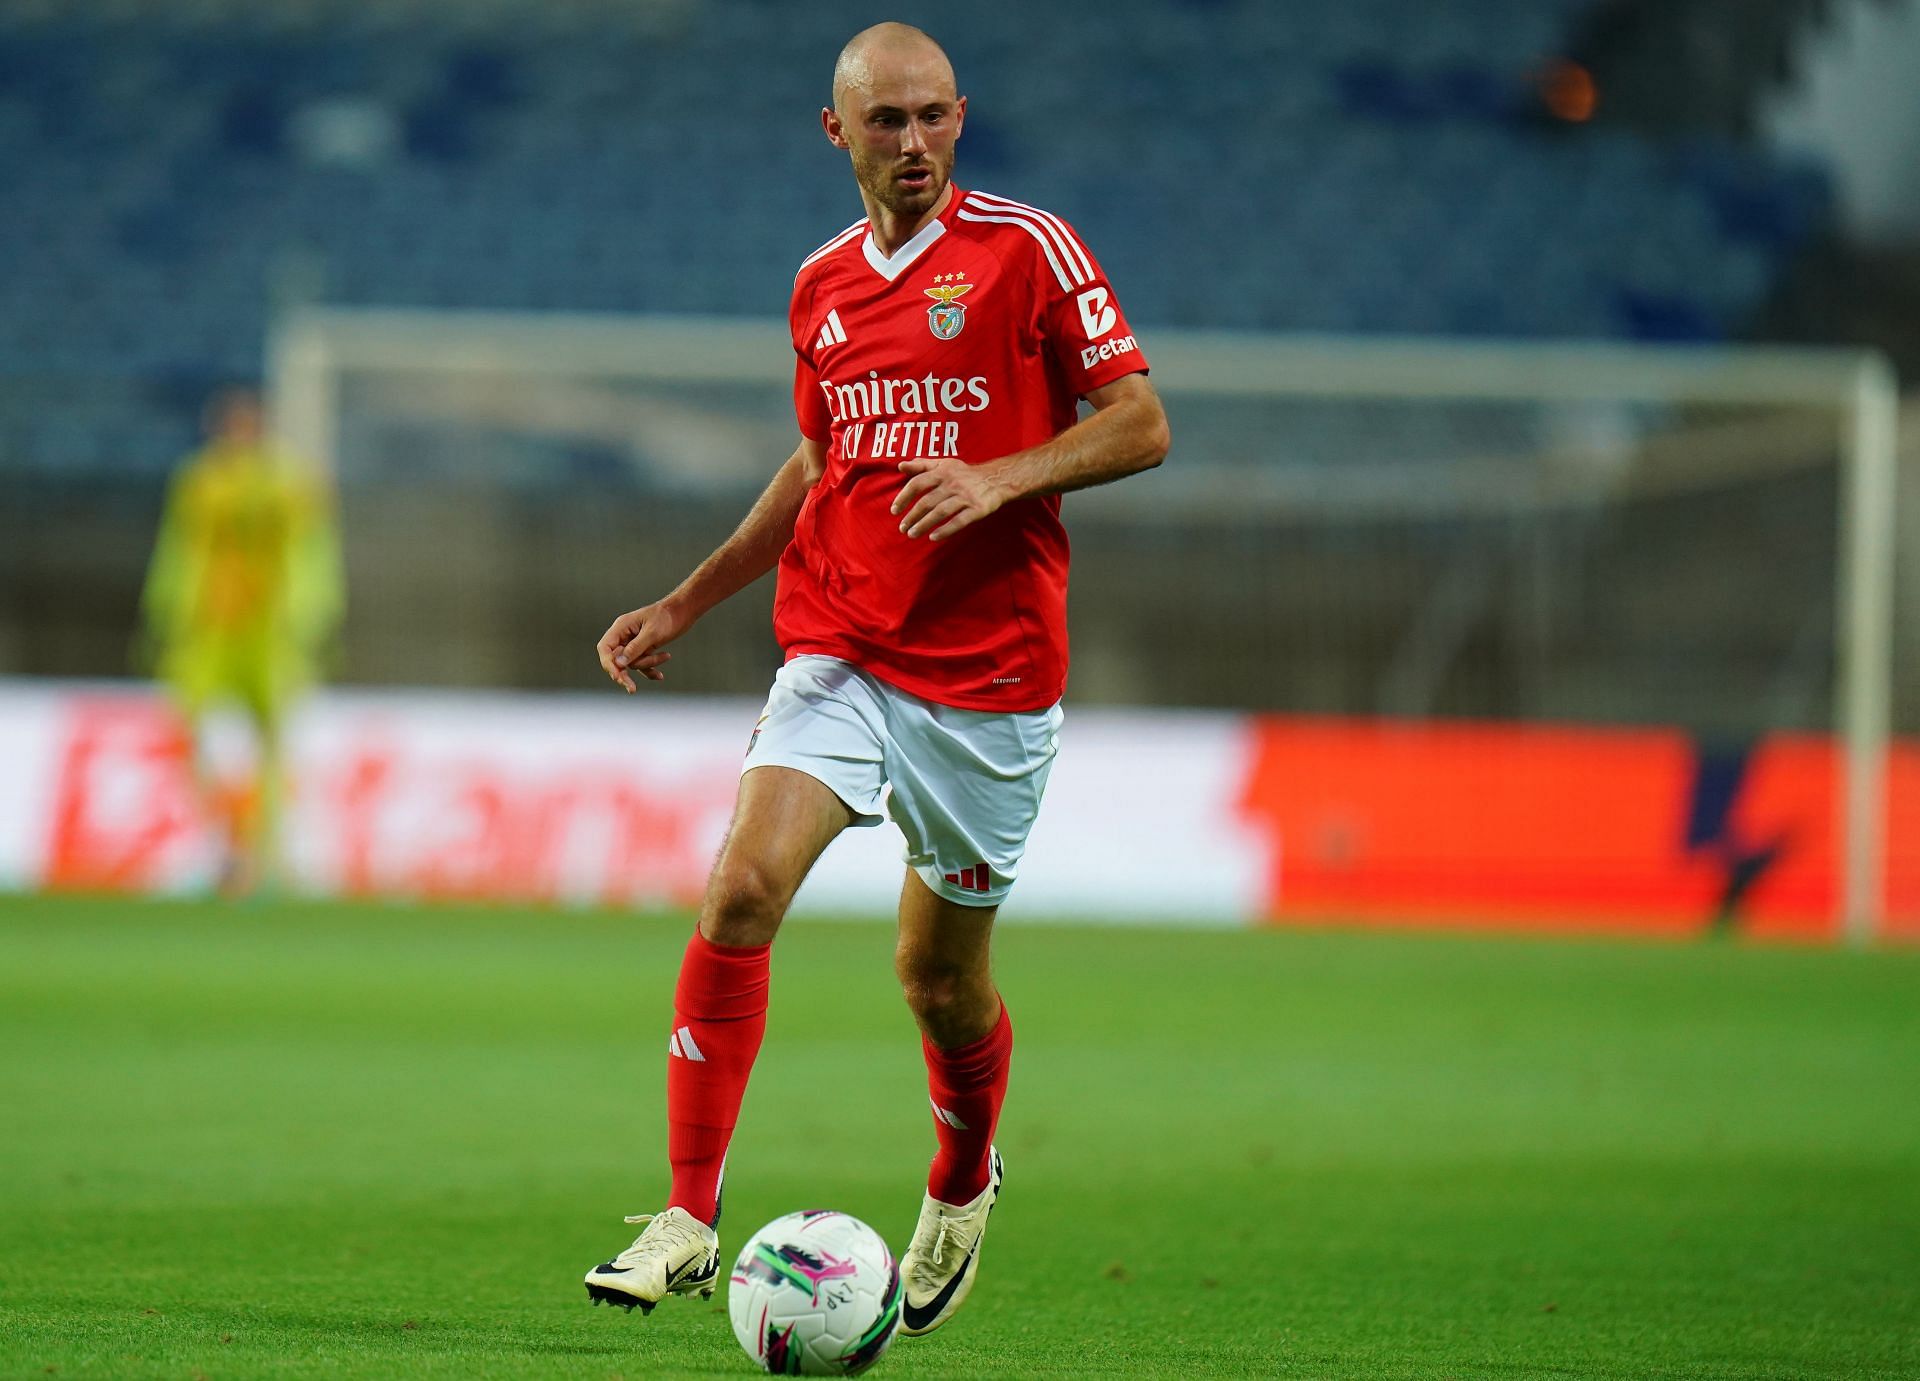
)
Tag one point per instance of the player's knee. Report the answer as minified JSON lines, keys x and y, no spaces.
{"x":744,"y":904}
{"x":940,"y":995}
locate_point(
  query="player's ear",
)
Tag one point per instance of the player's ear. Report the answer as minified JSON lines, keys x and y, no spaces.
{"x":830,"y":122}
{"x":959,"y":116}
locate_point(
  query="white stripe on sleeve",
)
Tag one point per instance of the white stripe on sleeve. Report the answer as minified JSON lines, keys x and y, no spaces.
{"x":1066,"y":285}
{"x":1069,"y":245}
{"x":833,"y":244}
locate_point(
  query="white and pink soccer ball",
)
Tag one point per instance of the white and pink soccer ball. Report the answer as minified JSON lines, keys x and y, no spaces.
{"x":815,"y":1293}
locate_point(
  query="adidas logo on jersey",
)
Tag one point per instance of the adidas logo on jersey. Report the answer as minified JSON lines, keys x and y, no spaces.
{"x":681,"y":1043}
{"x":833,"y":333}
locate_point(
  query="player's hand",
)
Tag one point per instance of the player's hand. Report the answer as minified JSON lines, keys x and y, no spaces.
{"x":632,"y":645}
{"x":941,"y":497}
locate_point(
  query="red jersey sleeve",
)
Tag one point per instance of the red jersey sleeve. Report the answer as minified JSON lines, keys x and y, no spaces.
{"x":1085,"y":328}
{"x":809,"y":403}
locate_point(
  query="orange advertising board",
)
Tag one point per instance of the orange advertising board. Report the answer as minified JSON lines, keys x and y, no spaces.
{"x":1550,"y":827}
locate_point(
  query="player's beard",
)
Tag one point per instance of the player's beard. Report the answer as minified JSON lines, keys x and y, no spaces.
{"x":878,"y":179}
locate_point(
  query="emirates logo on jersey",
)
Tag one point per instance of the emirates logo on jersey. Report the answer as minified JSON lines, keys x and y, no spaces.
{"x":948,"y":315}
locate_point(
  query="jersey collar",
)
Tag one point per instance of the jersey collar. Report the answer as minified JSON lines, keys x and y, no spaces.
{"x":891,"y":266}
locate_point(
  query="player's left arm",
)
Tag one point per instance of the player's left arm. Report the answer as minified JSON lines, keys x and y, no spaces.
{"x":1125,"y":434}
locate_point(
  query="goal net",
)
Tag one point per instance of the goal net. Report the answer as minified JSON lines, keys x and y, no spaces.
{"x":1689,"y":549}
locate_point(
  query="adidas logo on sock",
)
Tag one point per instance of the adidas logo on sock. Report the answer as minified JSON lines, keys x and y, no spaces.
{"x":948,"y":1116}
{"x":681,"y":1043}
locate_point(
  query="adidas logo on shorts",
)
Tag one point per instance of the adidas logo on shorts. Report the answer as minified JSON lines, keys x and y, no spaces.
{"x":978,"y":878}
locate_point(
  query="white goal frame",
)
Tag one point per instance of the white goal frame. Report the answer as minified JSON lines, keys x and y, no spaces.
{"x":309,"y":349}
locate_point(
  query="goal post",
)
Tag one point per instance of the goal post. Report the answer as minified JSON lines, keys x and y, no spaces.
{"x":1859,"y":385}
{"x":1603,"y":415}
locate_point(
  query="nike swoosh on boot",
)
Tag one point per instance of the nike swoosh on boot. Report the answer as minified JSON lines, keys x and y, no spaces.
{"x":920,"y":1318}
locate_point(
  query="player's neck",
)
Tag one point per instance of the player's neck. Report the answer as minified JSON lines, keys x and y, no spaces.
{"x":891,"y":229}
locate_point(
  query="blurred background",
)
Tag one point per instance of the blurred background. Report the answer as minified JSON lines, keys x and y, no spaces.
{"x":1529,"y":540}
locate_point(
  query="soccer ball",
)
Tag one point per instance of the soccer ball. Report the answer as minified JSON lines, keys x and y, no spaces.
{"x":815,"y":1293}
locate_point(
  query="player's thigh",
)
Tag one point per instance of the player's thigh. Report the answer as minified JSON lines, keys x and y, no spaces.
{"x":966,"y":790}
{"x":942,"y":942}
{"x":826,"y":718}
{"x":214,"y":686}
{"x":195,"y":673}
{"x":263,"y":683}
{"x":813,"y":768}
{"x":782,"y":821}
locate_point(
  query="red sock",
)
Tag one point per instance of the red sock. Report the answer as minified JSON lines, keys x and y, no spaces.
{"x":967,"y":1085}
{"x":719,"y":1016}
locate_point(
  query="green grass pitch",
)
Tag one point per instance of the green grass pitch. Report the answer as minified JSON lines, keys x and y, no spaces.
{"x":314,"y":1140}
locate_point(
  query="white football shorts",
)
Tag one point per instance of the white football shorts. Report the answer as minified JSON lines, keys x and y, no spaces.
{"x":964,"y":786}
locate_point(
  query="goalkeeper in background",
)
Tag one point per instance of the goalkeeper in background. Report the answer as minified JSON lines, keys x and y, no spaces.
{"x":244,"y":594}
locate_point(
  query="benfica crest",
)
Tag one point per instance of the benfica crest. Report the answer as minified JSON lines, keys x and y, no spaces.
{"x":947,"y":315}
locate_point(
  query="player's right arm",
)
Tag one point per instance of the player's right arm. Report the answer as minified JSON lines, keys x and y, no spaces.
{"x":166,"y":598}
{"x":634,"y":642}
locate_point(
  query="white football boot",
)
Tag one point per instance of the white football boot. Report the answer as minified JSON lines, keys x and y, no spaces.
{"x":943,"y":1258}
{"x":677,"y":1254}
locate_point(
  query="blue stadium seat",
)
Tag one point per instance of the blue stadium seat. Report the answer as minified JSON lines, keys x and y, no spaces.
{"x":1374,"y":179}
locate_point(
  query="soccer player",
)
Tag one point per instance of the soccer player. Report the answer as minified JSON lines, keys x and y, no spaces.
{"x":243,"y":591}
{"x":943,"y":342}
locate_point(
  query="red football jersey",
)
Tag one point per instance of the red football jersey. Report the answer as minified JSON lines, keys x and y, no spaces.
{"x":975,"y":339}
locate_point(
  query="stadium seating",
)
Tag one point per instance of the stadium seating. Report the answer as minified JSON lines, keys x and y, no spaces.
{"x":1372,"y":166}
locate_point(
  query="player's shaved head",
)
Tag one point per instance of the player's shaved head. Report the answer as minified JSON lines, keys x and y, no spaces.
{"x":884,"y":51}
{"x":235,"y":414}
{"x":897,"y":111}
